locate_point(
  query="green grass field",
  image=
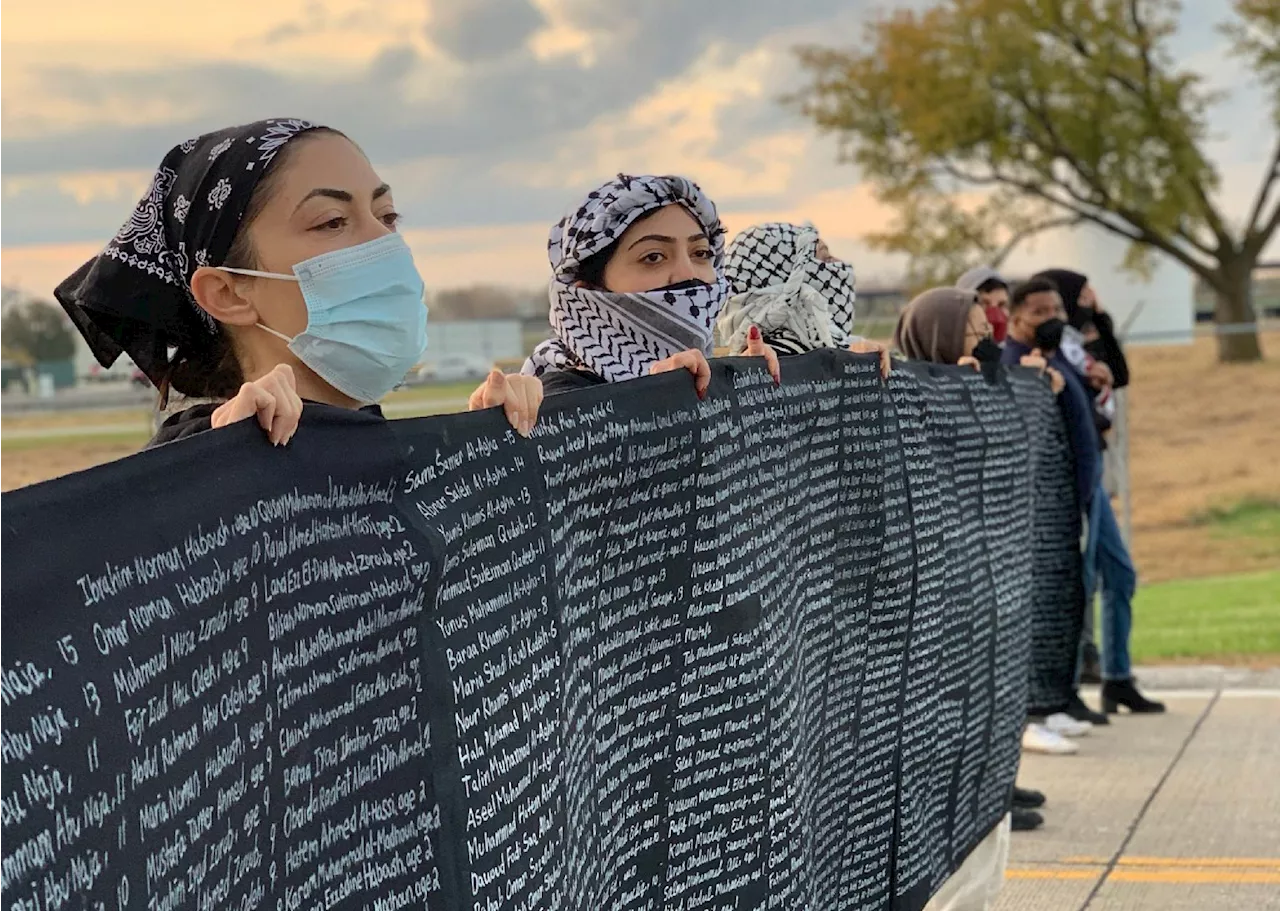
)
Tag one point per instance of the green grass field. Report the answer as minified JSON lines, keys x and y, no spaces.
{"x":1227,"y":618}
{"x":137,"y":437}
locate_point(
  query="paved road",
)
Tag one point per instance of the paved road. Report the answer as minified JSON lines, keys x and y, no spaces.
{"x":1179,"y":812}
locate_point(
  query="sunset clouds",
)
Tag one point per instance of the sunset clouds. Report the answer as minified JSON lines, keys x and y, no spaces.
{"x":488,"y":117}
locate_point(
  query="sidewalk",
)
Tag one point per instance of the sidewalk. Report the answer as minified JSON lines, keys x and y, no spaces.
{"x":1174,"y":812}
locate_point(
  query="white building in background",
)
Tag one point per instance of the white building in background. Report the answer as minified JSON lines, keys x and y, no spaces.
{"x":1158,"y":311}
{"x":490,"y":339}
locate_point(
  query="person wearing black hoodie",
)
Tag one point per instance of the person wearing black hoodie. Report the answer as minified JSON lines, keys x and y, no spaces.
{"x":1108,"y":565}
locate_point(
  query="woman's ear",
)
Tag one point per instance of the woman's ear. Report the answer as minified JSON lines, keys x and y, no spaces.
{"x":218,"y":295}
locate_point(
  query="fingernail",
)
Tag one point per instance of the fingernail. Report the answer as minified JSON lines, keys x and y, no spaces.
{"x":754,"y":333}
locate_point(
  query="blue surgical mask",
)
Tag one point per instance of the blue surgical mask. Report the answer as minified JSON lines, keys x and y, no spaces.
{"x":366,"y":317}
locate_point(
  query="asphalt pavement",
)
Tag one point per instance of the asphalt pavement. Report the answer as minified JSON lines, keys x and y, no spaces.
{"x":1173,"y":812}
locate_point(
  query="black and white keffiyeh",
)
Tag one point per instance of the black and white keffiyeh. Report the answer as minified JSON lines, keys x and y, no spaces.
{"x":135,"y":296}
{"x":775,"y":266}
{"x":619,"y":336}
{"x":793,"y":319}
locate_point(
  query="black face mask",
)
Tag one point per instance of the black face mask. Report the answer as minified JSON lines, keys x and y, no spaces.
{"x":680,"y":286}
{"x":1049,"y":335}
{"x":987,"y":351}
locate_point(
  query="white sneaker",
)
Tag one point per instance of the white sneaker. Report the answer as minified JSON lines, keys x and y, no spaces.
{"x":1064,"y":724}
{"x":1036,"y":738}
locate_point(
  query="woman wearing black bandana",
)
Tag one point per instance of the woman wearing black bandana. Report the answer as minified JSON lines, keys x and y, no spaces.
{"x":262,"y":269}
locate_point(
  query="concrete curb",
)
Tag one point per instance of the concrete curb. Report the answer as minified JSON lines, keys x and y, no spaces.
{"x":1206,"y":677}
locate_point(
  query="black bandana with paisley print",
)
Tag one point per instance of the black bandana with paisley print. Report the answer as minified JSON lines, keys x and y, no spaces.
{"x":135,"y":297}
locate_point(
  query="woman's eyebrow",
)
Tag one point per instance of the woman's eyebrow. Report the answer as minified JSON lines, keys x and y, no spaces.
{"x":340,"y":195}
{"x":328,"y":193}
{"x":664,"y":239}
{"x":660,"y":238}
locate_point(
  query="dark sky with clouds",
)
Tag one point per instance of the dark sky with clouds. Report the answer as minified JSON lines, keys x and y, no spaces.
{"x":439,"y":111}
{"x":453,"y":112}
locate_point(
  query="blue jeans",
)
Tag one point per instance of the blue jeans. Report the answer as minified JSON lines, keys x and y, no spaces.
{"x":1107,"y":565}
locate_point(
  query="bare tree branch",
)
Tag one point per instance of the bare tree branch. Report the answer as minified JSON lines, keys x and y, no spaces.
{"x":1142,"y":92}
{"x":1104,"y":199}
{"x":1134,"y":233}
{"x":1260,"y":239}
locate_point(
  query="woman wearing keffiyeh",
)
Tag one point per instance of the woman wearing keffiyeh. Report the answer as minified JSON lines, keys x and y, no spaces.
{"x":637,"y":283}
{"x":785,"y":281}
{"x":786,"y":285}
{"x":263,"y":268}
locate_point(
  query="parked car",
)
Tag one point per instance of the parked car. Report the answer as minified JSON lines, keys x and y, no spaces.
{"x":454,"y":368}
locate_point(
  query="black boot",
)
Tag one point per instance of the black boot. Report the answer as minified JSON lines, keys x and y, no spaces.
{"x":1116,"y":693}
{"x":1025,"y":820}
{"x":1081,"y":712}
{"x":1026,"y":799}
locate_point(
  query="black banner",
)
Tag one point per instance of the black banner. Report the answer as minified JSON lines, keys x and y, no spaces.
{"x":764,"y":650}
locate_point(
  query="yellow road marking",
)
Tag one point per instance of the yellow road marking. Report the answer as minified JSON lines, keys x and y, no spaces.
{"x":1267,"y":863}
{"x":1180,"y":870}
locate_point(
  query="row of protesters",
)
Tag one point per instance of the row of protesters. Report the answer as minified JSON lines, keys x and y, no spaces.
{"x":1061,"y":315}
{"x":263,"y":274}
{"x":788,"y":286}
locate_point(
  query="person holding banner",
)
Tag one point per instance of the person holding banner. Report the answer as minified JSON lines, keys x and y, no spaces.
{"x":1036,"y":320}
{"x":785,"y":281}
{"x":637,"y":283}
{"x":949,"y":326}
{"x":787,"y":286}
{"x":1108,"y":566}
{"x":263,"y":270}
{"x":993,"y":294}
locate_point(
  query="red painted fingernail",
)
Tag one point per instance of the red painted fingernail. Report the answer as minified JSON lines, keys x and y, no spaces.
{"x":754,"y":333}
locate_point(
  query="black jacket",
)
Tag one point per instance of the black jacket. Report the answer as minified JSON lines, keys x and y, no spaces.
{"x":556,"y":381}
{"x":199,"y":418}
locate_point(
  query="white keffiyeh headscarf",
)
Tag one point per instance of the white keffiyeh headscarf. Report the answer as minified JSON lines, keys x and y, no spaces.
{"x":619,"y":336}
{"x":798,"y":301}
